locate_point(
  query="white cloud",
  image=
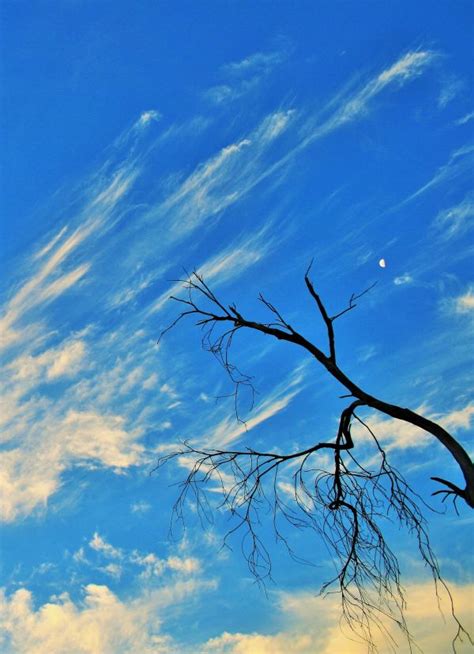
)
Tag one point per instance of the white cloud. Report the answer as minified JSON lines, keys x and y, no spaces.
{"x":244,"y":76}
{"x":228,"y":176}
{"x":46,"y":279}
{"x":275,"y":124}
{"x":366,"y":352}
{"x":356,"y":105}
{"x":401,"y":280}
{"x":121,"y":182}
{"x":102,"y":623}
{"x":186,"y":565}
{"x":111,"y":445}
{"x":28,"y":370}
{"x":121,"y":561}
{"x":99,"y":544}
{"x":282,"y":643}
{"x":113,"y":570}
{"x":213,"y":186}
{"x":67,"y":361}
{"x":410,"y":65}
{"x":256,"y":62}
{"x":227,"y":432}
{"x":140,"y":507}
{"x":39,"y":289}
{"x":130,"y":293}
{"x":226,"y":265}
{"x":219,"y":94}
{"x":148,"y":116}
{"x":458,"y":419}
{"x":26,"y":482}
{"x":80,"y":428}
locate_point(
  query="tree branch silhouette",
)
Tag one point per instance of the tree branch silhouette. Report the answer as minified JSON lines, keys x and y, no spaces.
{"x":345,"y":505}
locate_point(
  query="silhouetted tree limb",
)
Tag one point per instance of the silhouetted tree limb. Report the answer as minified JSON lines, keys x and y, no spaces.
{"x":345,"y":505}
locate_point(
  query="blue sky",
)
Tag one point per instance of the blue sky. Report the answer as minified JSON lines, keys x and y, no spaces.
{"x":243,"y":140}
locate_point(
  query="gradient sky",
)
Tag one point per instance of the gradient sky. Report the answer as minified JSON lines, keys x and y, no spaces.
{"x":242,"y":139}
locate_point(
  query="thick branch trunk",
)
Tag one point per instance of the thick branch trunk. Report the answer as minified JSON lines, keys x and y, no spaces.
{"x":407,"y":415}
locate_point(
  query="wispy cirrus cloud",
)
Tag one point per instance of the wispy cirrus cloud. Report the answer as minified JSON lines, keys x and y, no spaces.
{"x":229,"y":429}
{"x":450,"y":89}
{"x":228,"y":264}
{"x":465,"y":119}
{"x":258,"y":61}
{"x":353,"y":106}
{"x":49,"y":272}
{"x":459,"y":165}
{"x":220,"y":181}
{"x":244,"y":76}
{"x":239,"y":167}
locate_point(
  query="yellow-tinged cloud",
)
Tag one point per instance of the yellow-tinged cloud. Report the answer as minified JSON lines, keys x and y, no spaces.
{"x":31,"y":473}
{"x":312,"y":626}
{"x":100,"y":624}
{"x":465,"y":303}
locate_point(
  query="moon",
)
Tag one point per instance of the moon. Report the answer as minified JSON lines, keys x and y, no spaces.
{"x":382,"y":263}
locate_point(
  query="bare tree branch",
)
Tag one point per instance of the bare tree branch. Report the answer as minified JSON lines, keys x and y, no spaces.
{"x":346,"y":505}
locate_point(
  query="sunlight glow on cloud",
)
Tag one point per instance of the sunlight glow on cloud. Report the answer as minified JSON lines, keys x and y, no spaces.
{"x":313,"y":625}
